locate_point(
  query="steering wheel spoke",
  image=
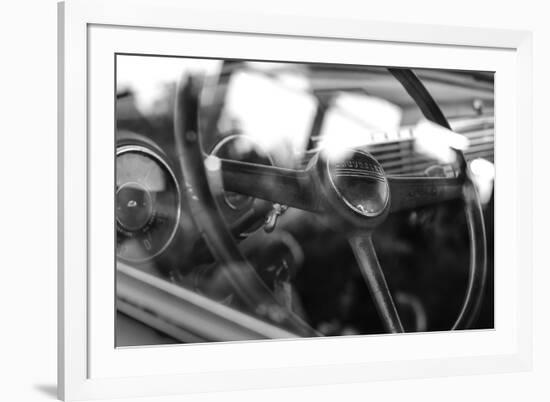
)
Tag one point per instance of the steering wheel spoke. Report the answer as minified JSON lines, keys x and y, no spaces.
{"x":365,"y":254}
{"x":294,"y":188}
{"x":413,"y":192}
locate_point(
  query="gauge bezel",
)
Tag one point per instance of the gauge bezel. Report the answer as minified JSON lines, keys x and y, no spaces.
{"x":123,"y":149}
{"x":218,"y":147}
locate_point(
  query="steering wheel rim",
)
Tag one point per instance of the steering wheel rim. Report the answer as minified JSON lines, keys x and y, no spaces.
{"x":477,"y":274}
{"x":237,"y":269}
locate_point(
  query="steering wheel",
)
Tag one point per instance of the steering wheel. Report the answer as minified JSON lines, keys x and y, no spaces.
{"x":352,"y":190}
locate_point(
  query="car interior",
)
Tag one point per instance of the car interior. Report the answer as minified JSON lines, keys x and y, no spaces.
{"x":269,"y":199}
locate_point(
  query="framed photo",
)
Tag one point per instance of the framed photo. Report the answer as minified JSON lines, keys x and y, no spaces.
{"x":254,"y":201}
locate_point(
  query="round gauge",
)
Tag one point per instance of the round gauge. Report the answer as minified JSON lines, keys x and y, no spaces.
{"x":242,"y":148}
{"x":147,"y":201}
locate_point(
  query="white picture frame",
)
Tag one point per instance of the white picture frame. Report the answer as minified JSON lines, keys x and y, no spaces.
{"x":91,"y":32}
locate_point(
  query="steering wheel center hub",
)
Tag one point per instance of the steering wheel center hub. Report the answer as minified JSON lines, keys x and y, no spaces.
{"x":359,"y":181}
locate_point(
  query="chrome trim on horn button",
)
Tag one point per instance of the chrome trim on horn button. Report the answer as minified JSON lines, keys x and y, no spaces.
{"x":373,"y":171}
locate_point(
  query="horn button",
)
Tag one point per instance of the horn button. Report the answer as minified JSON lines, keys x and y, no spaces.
{"x":359,"y":181}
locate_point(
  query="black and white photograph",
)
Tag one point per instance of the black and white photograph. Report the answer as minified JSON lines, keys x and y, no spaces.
{"x":295,"y":200}
{"x":278,"y":200}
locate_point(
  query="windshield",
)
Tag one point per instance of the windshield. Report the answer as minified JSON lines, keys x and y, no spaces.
{"x":290,"y":116}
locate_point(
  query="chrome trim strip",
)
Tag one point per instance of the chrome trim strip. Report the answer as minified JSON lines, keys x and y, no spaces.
{"x":186,"y":312}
